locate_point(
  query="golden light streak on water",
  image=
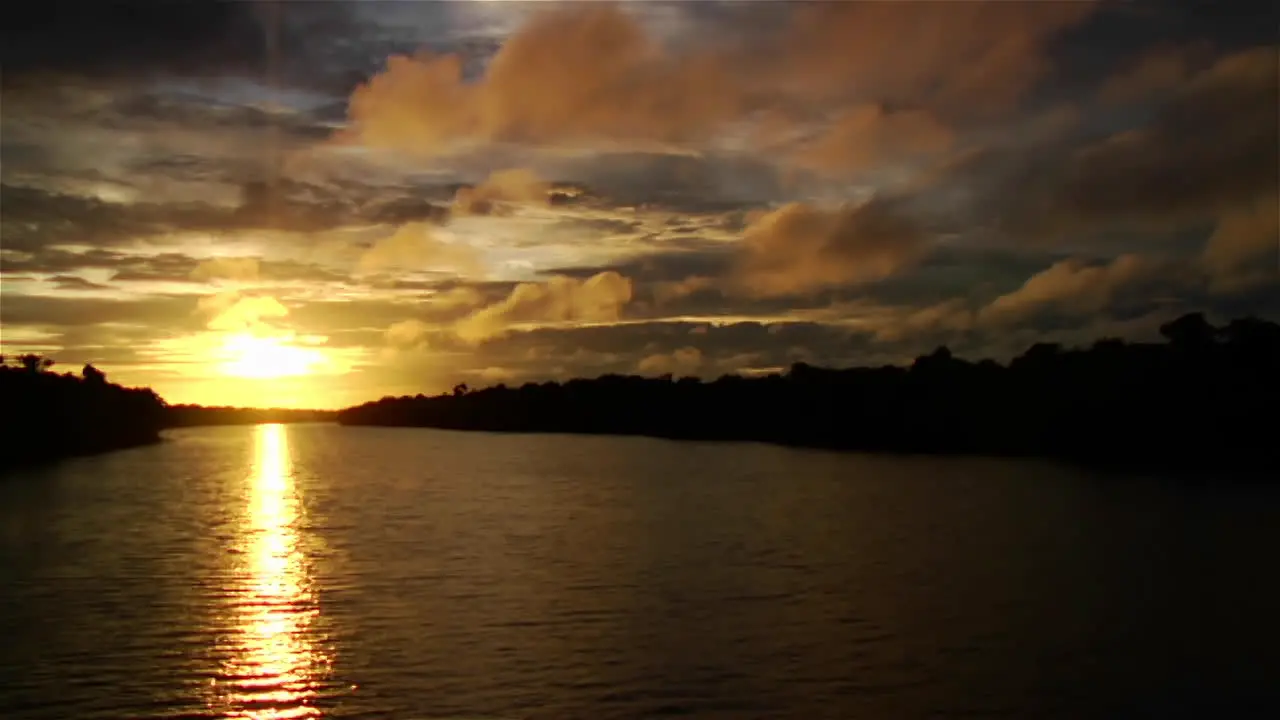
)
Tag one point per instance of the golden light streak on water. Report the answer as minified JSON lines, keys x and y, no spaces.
{"x":275,"y":667}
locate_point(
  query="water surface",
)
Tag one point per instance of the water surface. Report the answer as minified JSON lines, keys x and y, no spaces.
{"x":319,"y":571}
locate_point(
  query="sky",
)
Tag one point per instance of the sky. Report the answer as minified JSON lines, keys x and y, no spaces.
{"x":316,"y":204}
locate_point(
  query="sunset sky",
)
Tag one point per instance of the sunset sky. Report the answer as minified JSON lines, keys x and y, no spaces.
{"x":314,"y":204}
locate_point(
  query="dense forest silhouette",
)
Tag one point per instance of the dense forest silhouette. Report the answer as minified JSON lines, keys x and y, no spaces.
{"x":199,"y":415}
{"x":52,"y":415}
{"x":1204,"y":400}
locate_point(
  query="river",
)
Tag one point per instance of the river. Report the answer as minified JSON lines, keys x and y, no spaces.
{"x":312,"y":571}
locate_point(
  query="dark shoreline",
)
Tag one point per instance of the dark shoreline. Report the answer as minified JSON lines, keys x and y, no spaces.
{"x":51,"y":416}
{"x":1179,"y":468}
{"x":1201,"y":405}
{"x":79,"y":452}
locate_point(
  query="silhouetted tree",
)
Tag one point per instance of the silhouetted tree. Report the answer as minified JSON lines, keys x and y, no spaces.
{"x":1112,"y":402}
{"x":93,"y":375}
{"x":1189,"y":331}
{"x":53,"y":416}
{"x":198,"y":415}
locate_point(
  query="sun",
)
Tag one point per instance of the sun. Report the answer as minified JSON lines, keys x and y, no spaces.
{"x":253,"y":356}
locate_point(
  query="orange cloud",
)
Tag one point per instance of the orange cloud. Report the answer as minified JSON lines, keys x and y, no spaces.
{"x":961,"y":58}
{"x":1244,"y":249}
{"x":589,"y":71}
{"x":577,"y":73}
{"x":407,"y":334}
{"x":682,"y":361}
{"x":226,"y":268}
{"x":800,"y":248}
{"x":500,"y":190}
{"x":1070,"y":285}
{"x":599,"y":298}
{"x":415,"y":247}
{"x":233,"y":312}
{"x":869,"y":135}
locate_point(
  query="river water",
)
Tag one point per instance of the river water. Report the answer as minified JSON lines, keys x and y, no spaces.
{"x":318,"y":571}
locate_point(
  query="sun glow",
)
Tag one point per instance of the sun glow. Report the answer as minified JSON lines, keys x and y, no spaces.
{"x":253,"y":356}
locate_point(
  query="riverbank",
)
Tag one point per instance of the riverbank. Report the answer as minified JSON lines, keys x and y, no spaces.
{"x":51,"y":416}
{"x":1195,"y":404}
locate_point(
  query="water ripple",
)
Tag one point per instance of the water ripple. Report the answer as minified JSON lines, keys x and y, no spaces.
{"x":316,"y":572}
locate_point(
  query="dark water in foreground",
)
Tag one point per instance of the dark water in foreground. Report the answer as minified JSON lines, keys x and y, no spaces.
{"x":309,"y":571}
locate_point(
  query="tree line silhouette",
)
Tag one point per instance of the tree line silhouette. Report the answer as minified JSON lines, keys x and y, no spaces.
{"x":1204,"y":400}
{"x":50,"y":415}
{"x":200,"y":415}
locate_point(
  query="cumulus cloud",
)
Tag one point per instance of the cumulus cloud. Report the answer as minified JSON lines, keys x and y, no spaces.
{"x":1156,"y":71}
{"x":226,"y":268}
{"x":582,"y":72}
{"x":415,"y":246}
{"x":407,"y":334}
{"x":590,"y":71}
{"x":964,"y":58}
{"x":1071,"y":286}
{"x":456,"y":298}
{"x":870,"y":135}
{"x":1211,"y":146}
{"x":599,"y":298}
{"x":234,"y":312}
{"x":801,"y":248}
{"x":499,"y":191}
{"x":675,"y":290}
{"x":1244,"y":250}
{"x":681,"y":361}
{"x":948,"y":316}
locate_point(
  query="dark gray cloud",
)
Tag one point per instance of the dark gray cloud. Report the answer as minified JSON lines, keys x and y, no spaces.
{"x":130,"y":37}
{"x":1209,"y":145}
{"x":153,"y":311}
{"x":35,"y":218}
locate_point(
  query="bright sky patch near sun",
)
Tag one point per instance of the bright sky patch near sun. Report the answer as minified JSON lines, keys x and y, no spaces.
{"x":391,"y":198}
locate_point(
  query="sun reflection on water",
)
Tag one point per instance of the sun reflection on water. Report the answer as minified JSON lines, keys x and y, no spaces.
{"x":274,"y":667}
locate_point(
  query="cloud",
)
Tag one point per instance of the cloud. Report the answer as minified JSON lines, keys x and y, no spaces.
{"x":35,"y":218}
{"x":416,"y":247}
{"x":591,"y":71}
{"x":1213,"y":144}
{"x":946,"y":317}
{"x":682,"y":361}
{"x":460,"y":297}
{"x":233,"y":312}
{"x":18,"y":310}
{"x":407,"y":334}
{"x":1154,"y":72}
{"x":226,"y":268}
{"x":1208,"y":148}
{"x":1244,"y":250}
{"x":801,"y":248}
{"x":583,"y":72}
{"x":961,"y":59}
{"x":870,"y":135}
{"x":1071,"y":286}
{"x":133,"y":36}
{"x":599,"y":298}
{"x":500,"y":190}
{"x":72,"y":282}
